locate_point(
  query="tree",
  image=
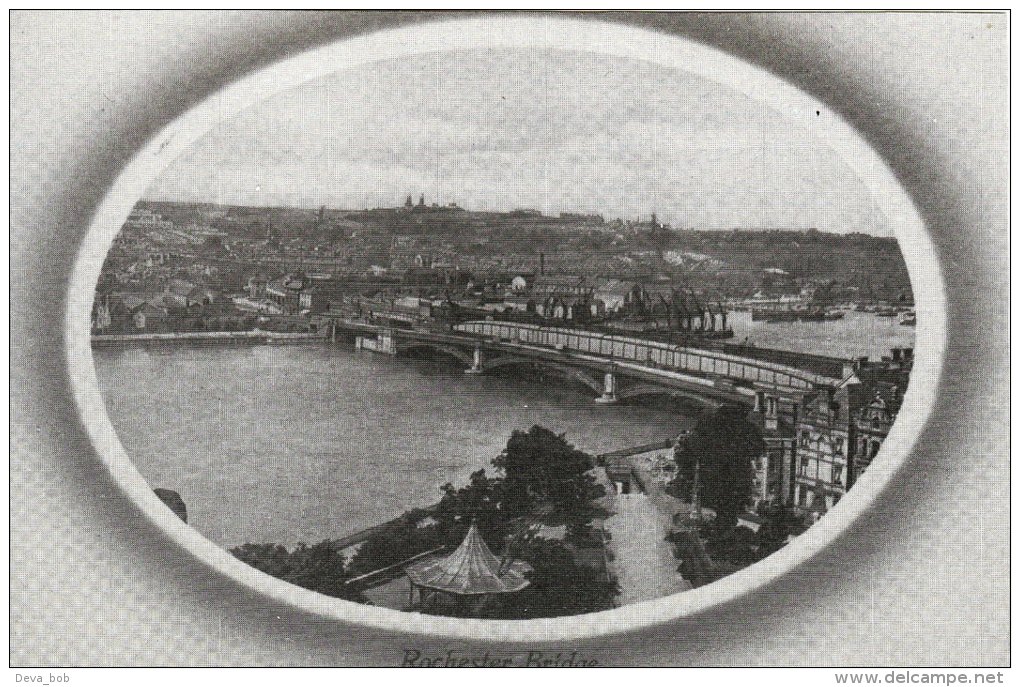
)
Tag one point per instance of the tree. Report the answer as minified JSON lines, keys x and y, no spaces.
{"x":721,"y":448}
{"x":734,"y":545}
{"x":392,"y":544}
{"x":780,"y":522}
{"x":320,"y":567}
{"x":540,"y":464}
{"x":480,"y":501}
{"x":560,"y":585}
{"x":272,"y":559}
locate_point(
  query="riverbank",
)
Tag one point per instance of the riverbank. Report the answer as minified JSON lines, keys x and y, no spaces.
{"x":253,"y":336}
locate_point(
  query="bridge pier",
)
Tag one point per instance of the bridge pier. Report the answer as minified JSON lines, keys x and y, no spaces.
{"x":608,"y":389}
{"x":476,"y":363}
{"x":383,"y":342}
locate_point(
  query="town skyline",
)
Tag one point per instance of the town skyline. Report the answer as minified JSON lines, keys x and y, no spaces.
{"x":554,"y":131}
{"x":639,"y":219}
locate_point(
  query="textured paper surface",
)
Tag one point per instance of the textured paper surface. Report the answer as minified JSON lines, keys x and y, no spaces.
{"x":921,"y":579}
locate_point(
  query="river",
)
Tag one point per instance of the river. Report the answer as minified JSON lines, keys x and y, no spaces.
{"x":306,"y":442}
{"x":857,"y":334}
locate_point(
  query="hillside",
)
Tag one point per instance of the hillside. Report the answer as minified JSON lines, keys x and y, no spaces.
{"x":733,"y":263}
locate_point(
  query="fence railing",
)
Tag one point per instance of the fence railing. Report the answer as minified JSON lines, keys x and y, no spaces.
{"x":654,"y":353}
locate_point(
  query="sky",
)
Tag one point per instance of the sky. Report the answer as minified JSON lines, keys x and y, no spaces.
{"x":502,"y":129}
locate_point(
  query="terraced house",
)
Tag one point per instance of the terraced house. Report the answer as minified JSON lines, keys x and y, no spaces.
{"x":839,"y":431}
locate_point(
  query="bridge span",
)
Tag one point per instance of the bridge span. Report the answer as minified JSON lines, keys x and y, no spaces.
{"x":614,"y":367}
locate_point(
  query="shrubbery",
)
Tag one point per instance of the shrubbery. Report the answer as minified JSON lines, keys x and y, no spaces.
{"x":320,"y":567}
{"x":398,"y":542}
{"x":559,"y":584}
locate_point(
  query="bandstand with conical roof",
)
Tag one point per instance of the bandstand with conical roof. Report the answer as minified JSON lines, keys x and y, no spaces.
{"x":472,"y":571}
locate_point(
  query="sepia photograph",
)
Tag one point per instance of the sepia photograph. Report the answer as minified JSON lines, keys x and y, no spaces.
{"x":500,"y":339}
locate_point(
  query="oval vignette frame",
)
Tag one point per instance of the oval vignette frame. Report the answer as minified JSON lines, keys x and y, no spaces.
{"x":515,"y":32}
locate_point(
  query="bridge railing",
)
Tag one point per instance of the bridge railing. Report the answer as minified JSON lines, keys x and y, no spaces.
{"x":652,"y":353}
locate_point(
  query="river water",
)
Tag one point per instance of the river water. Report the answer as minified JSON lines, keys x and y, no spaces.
{"x":857,"y":334}
{"x":306,"y":442}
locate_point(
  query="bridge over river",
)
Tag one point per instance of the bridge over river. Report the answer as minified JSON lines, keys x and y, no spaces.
{"x":614,"y":367}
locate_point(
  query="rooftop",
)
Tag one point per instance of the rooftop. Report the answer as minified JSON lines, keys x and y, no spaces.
{"x":471,"y":569}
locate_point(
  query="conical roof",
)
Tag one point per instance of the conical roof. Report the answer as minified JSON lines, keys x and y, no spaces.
{"x":471,"y":569}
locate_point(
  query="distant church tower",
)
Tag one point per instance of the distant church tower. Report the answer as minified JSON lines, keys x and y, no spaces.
{"x":409,"y":202}
{"x":421,"y":201}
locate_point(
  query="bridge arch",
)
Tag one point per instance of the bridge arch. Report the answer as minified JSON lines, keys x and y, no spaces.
{"x":506,"y":360}
{"x":638,"y":390}
{"x":466,"y":357}
{"x":582,"y":376}
{"x":592,"y":381}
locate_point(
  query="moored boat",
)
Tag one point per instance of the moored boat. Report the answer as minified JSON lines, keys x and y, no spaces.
{"x":796,"y":315}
